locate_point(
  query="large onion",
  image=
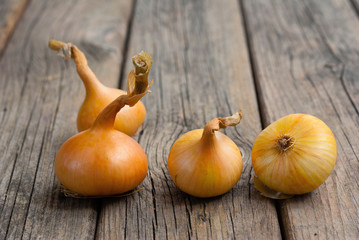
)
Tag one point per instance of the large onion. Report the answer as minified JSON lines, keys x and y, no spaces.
{"x":295,"y":154}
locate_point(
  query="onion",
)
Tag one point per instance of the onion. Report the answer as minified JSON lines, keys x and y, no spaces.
{"x":98,"y":96}
{"x":294,"y":155}
{"x":205,"y":162}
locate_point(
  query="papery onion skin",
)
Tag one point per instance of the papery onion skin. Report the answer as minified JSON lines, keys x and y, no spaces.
{"x":98,"y":163}
{"x":204,"y":171}
{"x":304,"y":163}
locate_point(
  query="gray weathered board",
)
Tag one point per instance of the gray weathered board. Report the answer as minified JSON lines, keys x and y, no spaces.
{"x":201,"y":71}
{"x":306,"y":58}
{"x":10,"y":13}
{"x":210,"y":58}
{"x":39,"y":97}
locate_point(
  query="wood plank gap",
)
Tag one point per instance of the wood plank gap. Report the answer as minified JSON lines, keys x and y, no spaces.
{"x":306,"y":53}
{"x":253,"y":65}
{"x":98,"y":211}
{"x":355,"y":6}
{"x":259,"y":96}
{"x":122,"y":81}
{"x":278,"y":206}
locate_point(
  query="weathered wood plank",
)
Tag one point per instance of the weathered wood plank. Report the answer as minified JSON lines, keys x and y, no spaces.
{"x":201,"y":71}
{"x":306,"y":55}
{"x":355,"y":5}
{"x":10,"y":13}
{"x":39,"y":99}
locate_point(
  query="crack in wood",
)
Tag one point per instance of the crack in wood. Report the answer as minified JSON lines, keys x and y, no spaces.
{"x":35,"y":174}
{"x":189,"y":222}
{"x":154,"y":205}
{"x":16,"y":163}
{"x":346,"y":90}
{"x":355,"y":6}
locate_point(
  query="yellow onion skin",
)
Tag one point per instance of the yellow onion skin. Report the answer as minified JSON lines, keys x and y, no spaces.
{"x":303,"y":163}
{"x":128,"y":120}
{"x":204,"y":169}
{"x":100,"y":162}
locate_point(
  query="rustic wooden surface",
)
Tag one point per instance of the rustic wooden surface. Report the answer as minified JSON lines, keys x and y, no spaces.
{"x":40,"y":96}
{"x":269,"y":58}
{"x":306,"y":60}
{"x":184,"y":64}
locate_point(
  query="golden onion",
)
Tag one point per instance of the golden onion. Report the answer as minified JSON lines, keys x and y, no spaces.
{"x":205,"y":162}
{"x":294,"y":155}
{"x":98,"y":96}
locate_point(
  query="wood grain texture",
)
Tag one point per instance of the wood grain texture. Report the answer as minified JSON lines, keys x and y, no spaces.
{"x":306,"y":56}
{"x":39,"y":98}
{"x":201,"y":71}
{"x":10,"y":13}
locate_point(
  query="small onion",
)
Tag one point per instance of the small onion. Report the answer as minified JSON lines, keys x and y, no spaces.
{"x":98,"y":96}
{"x":294,"y":155}
{"x":205,"y":162}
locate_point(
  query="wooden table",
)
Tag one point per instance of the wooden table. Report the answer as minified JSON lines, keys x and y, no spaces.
{"x":210,"y":58}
